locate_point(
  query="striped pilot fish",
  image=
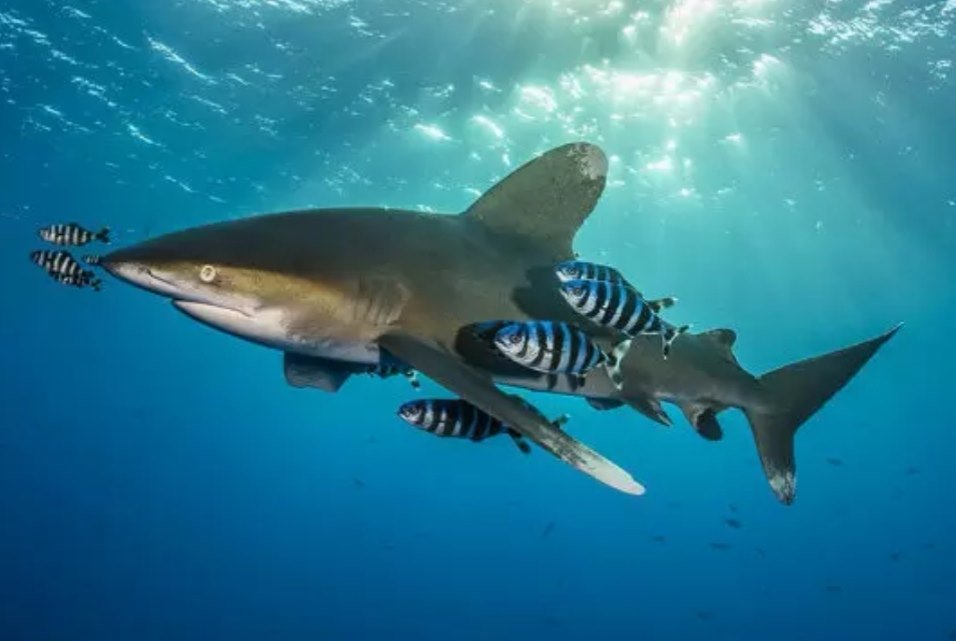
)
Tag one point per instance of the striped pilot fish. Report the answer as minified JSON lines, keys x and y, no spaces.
{"x":582,"y":270}
{"x":460,"y":419}
{"x":72,"y":234}
{"x":554,"y":347}
{"x":389,"y":370}
{"x":65,"y":269}
{"x":622,"y":308}
{"x":571,"y":270}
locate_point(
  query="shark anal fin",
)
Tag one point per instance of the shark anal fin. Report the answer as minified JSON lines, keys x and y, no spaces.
{"x":703,"y":418}
{"x":651,"y":408}
{"x":547,"y":199}
{"x":319,"y":373}
{"x":477,"y":388}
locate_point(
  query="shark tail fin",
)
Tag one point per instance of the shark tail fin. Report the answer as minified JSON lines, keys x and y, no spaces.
{"x":796,"y":391}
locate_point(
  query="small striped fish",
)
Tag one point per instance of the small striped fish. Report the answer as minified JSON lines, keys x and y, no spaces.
{"x":581,"y":270}
{"x":555,"y":347}
{"x":387,"y":371}
{"x":459,"y":418}
{"x":72,"y":234}
{"x":63,"y":268}
{"x":620,"y":307}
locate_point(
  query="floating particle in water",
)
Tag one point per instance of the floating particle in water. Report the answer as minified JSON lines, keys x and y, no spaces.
{"x":734,"y":523}
{"x":929,"y":545}
{"x":760,"y":552}
{"x":358,"y":483}
{"x":834,"y":588}
{"x":704,"y":615}
{"x":911,"y":471}
{"x":720,"y":546}
{"x":895,"y":556}
{"x":659,"y":538}
{"x":732,"y":508}
{"x":548,"y":529}
{"x":835,"y":462}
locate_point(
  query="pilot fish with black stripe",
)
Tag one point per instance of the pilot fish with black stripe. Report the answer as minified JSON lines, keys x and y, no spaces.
{"x":63,"y":268}
{"x":622,"y":308}
{"x":554,"y":347}
{"x":73,"y":234}
{"x":583,"y":270}
{"x":460,"y":419}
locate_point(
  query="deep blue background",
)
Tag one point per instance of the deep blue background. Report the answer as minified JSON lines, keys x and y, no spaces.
{"x":159,"y":480}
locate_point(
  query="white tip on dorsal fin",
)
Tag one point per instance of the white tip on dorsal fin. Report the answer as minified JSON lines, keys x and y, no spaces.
{"x":547,"y":199}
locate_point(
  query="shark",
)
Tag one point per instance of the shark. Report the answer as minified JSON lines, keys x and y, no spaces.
{"x":340,"y":290}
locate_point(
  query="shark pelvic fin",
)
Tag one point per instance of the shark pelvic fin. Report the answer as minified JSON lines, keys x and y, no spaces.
{"x":651,"y":408}
{"x":319,"y":373}
{"x":477,"y":388}
{"x":547,"y":199}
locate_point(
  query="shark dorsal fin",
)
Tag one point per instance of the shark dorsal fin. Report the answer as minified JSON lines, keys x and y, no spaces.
{"x":724,"y":340}
{"x":548,"y":198}
{"x":723,"y":337}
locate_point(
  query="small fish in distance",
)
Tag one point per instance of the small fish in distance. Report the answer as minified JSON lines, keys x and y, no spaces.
{"x":72,"y":234}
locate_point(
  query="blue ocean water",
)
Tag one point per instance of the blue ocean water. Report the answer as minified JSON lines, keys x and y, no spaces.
{"x":785,"y":169}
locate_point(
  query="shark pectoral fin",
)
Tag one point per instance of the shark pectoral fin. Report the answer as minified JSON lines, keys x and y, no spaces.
{"x":477,"y":388}
{"x":703,"y":417}
{"x":547,"y":199}
{"x":320,"y":373}
{"x":651,"y":408}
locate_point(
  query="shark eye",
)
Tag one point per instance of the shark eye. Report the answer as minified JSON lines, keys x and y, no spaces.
{"x":207,"y":274}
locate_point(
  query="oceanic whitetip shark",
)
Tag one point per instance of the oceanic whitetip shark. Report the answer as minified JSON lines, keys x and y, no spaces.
{"x":339,"y":289}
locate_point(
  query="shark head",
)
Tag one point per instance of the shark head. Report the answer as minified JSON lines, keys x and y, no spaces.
{"x":195,"y":268}
{"x":248,"y":278}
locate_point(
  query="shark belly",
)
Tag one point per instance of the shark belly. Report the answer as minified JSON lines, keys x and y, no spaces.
{"x":271,"y":329}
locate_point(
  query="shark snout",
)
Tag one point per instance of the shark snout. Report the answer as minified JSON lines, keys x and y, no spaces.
{"x":140,"y":274}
